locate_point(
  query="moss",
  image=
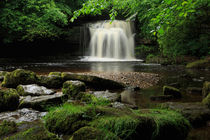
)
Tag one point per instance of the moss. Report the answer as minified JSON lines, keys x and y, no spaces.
{"x":55,"y":74}
{"x":206,"y":100}
{"x":199,"y":64}
{"x":73,"y":88}
{"x":169,"y":124}
{"x":7,"y":127}
{"x":68,"y":118}
{"x":37,"y":132}
{"x":168,"y":90}
{"x":206,"y":89}
{"x":52,"y":81}
{"x":2,"y":74}
{"x":19,"y":76}
{"x":9,"y":99}
{"x":21,"y":91}
{"x":90,"y":133}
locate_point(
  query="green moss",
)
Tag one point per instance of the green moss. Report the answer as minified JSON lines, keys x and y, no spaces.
{"x":206,"y":100}
{"x":168,"y":90}
{"x":9,"y":99}
{"x":37,"y":132}
{"x":20,"y":90}
{"x":7,"y":127}
{"x":19,"y":76}
{"x":55,"y":74}
{"x":169,"y":124}
{"x":206,"y":89}
{"x":73,"y":88}
{"x":52,"y":81}
{"x":90,"y":133}
{"x":199,"y":64}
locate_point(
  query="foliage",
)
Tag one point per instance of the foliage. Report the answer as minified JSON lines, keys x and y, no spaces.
{"x":7,"y":127}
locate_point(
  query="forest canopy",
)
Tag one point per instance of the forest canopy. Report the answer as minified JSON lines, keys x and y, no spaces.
{"x":180,"y":27}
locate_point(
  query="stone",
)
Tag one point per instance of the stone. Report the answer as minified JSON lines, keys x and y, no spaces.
{"x":22,"y":115}
{"x":9,"y":99}
{"x":120,"y":105}
{"x":42,"y":102}
{"x":73,"y":88}
{"x":206,"y":101}
{"x":2,"y":74}
{"x":107,"y":95}
{"x":168,"y":90}
{"x":93,"y":81}
{"x":197,"y":113}
{"x":162,"y":98}
{"x":55,"y":74}
{"x":33,"y":90}
{"x":206,"y":89}
{"x":199,"y":64}
{"x":52,"y":81}
{"x":17,"y":77}
{"x":194,"y":90}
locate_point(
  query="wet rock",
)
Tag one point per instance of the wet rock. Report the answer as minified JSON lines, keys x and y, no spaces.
{"x":107,"y":95}
{"x":51,"y":81}
{"x":206,"y":101}
{"x":120,"y":105}
{"x":7,"y":127}
{"x":162,"y":98}
{"x":9,"y":99}
{"x":206,"y":89}
{"x":33,"y":90}
{"x":168,"y":90}
{"x":197,"y":113}
{"x":199,"y":64}
{"x":55,"y":74}
{"x":19,"y":76}
{"x":93,"y":81}
{"x":73,"y":88}
{"x":194,"y":90}
{"x":42,"y":102}
{"x":22,"y":115}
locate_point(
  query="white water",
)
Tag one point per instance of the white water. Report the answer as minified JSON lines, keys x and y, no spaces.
{"x":111,"y":42}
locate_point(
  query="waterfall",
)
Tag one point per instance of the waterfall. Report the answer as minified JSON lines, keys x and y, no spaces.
{"x":111,"y":40}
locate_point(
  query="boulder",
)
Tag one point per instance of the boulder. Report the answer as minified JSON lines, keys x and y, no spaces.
{"x":22,"y":115}
{"x":2,"y":74}
{"x":194,"y":90}
{"x":206,"y":101}
{"x":73,"y":88}
{"x":206,"y":89}
{"x":9,"y":99}
{"x":19,"y":76}
{"x":55,"y":74}
{"x":199,"y":64}
{"x":168,"y":90}
{"x":42,"y":102}
{"x":197,"y":113}
{"x":162,"y":98}
{"x":120,"y":105}
{"x":107,"y":95}
{"x":33,"y":90}
{"x":93,"y":81}
{"x":51,"y":81}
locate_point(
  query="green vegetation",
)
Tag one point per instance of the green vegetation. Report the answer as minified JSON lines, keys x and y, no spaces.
{"x":199,"y":64}
{"x":7,"y":127}
{"x":206,"y":100}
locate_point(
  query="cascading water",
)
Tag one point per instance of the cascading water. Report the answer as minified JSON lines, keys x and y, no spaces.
{"x":112,"y":41}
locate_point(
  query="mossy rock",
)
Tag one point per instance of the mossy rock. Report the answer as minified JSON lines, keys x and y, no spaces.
{"x":206,"y":89}
{"x":73,"y":88}
{"x":206,"y":100}
{"x":93,"y":81}
{"x":199,"y":64}
{"x":6,"y":128}
{"x":168,"y":90}
{"x":9,"y":99}
{"x":19,"y":76}
{"x":38,"y":132}
{"x":90,"y":133}
{"x":52,"y":81}
{"x":2,"y":74}
{"x":55,"y":74}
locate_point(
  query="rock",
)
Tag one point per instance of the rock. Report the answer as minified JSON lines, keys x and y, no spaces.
{"x":196,"y":113}
{"x":90,"y":133}
{"x":42,"y":102}
{"x":33,"y":90}
{"x":199,"y":64}
{"x":37,"y":132}
{"x":6,"y":128}
{"x":168,"y":90}
{"x":55,"y":74}
{"x":162,"y":98}
{"x":107,"y":95}
{"x":93,"y":81}
{"x":206,"y":101}
{"x":2,"y":74}
{"x":52,"y":81}
{"x":194,"y":90}
{"x":19,"y":76}
{"x":73,"y":88}
{"x":206,"y":89}
{"x":22,"y":115}
{"x":9,"y":99}
{"x":120,"y":105}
